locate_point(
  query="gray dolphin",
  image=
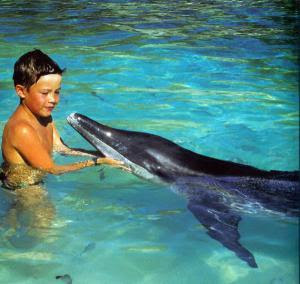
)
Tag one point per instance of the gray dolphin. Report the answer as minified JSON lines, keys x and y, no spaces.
{"x":216,"y":190}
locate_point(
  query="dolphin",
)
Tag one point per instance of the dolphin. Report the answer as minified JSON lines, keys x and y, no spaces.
{"x":217,"y":191}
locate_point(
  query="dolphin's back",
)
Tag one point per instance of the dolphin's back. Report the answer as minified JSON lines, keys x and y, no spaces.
{"x":140,"y":145}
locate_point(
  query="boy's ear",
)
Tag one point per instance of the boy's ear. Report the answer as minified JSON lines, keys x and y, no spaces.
{"x":21,"y":91}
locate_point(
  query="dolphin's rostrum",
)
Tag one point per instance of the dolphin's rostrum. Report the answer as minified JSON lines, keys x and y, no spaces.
{"x":215,"y":189}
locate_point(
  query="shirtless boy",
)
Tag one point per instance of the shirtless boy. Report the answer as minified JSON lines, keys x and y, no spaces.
{"x":30,"y":135}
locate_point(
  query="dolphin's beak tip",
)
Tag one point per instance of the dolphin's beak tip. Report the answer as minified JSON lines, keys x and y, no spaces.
{"x":71,"y":116}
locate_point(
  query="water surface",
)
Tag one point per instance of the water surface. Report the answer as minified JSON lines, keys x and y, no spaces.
{"x":217,"y":77}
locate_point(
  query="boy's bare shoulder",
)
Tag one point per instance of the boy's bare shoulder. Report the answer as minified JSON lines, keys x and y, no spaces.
{"x":19,"y":129}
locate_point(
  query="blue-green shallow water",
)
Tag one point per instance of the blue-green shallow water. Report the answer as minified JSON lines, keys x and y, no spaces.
{"x":217,"y":77}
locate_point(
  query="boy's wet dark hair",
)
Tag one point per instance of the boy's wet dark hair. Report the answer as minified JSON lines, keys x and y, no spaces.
{"x":31,"y":66}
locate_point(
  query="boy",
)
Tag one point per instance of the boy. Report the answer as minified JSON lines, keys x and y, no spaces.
{"x":30,"y":136}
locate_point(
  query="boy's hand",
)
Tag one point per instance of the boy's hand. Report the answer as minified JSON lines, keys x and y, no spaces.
{"x":113,"y":163}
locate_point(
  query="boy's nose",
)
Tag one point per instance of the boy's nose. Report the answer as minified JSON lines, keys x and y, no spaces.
{"x":53,"y":98}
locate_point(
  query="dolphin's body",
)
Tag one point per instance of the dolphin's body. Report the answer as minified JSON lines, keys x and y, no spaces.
{"x":216,"y":190}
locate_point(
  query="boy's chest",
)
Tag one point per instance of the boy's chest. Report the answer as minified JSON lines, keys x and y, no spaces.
{"x":46,"y":137}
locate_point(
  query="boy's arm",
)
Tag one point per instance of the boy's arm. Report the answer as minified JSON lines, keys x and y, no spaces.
{"x":62,"y":148}
{"x":27,"y":143}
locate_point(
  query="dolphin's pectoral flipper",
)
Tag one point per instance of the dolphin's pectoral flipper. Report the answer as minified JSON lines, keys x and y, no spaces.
{"x":222,"y":225}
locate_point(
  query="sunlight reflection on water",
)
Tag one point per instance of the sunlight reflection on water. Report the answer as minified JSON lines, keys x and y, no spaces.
{"x":217,"y":77}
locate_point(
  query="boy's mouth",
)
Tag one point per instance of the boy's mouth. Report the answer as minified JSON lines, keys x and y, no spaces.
{"x":49,"y":108}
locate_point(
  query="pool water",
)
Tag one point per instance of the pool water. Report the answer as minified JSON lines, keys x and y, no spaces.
{"x":217,"y":77}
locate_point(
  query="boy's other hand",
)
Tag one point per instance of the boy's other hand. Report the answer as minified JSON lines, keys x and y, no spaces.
{"x":113,"y":163}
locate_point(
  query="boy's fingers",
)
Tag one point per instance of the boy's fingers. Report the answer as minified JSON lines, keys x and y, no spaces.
{"x":109,"y":161}
{"x":127,"y":169}
{"x":114,"y":163}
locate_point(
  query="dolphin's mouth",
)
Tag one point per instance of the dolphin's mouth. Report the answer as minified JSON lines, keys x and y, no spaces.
{"x":93,"y":132}
{"x":88,"y":131}
{"x":74,"y":120}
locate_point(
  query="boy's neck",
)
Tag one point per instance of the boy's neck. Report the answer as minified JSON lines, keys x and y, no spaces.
{"x":44,"y":121}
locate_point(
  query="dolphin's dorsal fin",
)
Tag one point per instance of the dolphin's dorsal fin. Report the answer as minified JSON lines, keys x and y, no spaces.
{"x":222,"y":225}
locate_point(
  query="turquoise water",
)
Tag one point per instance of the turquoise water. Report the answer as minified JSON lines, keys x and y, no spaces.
{"x":217,"y":77}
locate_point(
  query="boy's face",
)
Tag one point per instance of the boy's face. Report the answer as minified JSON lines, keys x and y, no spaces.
{"x":42,"y":97}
